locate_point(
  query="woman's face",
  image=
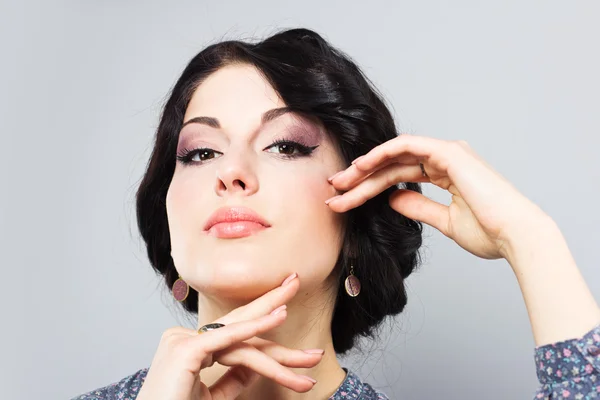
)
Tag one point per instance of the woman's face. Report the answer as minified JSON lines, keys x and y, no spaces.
{"x":243,"y":166}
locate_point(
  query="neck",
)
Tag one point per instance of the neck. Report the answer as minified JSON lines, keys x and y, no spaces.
{"x":307,"y":326}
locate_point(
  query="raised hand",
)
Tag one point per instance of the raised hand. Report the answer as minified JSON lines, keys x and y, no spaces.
{"x":175,"y":372}
{"x":486,"y":210}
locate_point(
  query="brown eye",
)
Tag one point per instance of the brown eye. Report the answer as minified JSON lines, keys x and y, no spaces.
{"x":286,"y":148}
{"x":198,"y":156}
{"x":205,"y":154}
{"x":290,"y":149}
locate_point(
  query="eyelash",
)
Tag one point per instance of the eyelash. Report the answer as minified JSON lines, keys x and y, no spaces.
{"x":185,"y":156}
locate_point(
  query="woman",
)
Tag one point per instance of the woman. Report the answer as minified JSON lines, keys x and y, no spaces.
{"x":255,"y":176}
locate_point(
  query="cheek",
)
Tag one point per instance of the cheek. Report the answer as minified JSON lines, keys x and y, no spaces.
{"x":305,"y":197}
{"x":319,"y":189}
{"x":310,"y":230}
{"x":181,"y":203}
{"x":307,"y":188}
{"x":176,"y":198}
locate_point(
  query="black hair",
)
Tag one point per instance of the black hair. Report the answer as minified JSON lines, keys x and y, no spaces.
{"x":314,"y":79}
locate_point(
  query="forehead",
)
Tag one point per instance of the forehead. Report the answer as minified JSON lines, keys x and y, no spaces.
{"x":235,"y":94}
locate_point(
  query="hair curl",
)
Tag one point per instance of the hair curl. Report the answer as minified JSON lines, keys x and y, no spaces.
{"x":317,"y":80}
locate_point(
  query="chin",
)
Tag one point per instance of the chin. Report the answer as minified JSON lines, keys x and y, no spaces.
{"x":235,"y":278}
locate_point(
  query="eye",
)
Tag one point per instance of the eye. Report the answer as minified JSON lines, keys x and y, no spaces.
{"x":197,"y":155}
{"x":283,"y":148}
{"x":290,"y":148}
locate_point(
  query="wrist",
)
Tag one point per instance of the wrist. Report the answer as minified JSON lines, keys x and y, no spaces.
{"x":534,"y":233}
{"x":558,"y":301}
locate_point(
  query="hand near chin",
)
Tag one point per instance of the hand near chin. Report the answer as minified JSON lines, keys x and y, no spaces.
{"x":486,"y":213}
{"x":176,"y":370}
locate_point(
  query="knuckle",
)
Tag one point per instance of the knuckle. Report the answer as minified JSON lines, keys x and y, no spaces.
{"x":168,"y":332}
{"x":169,"y":335}
{"x":390,"y":179}
{"x":287,"y":357}
{"x":361,"y":199}
{"x":387,"y":152}
{"x":243,"y":375}
{"x":229,"y":340}
{"x":462,"y":144}
{"x":179,"y":348}
{"x":238,"y":355}
{"x":165,"y":336}
{"x":455,"y":148}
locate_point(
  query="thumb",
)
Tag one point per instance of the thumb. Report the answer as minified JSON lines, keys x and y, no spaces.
{"x":232,"y":383}
{"x":417,"y":206}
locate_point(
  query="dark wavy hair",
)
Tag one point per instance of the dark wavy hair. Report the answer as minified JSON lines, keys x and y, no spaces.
{"x":319,"y":81}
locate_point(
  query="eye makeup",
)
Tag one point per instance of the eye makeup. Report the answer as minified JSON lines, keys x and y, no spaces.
{"x":294,"y":139}
{"x":301,"y":132}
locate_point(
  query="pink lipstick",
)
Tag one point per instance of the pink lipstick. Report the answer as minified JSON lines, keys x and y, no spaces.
{"x":234,"y":222}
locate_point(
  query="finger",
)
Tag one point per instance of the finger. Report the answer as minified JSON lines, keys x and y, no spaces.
{"x":232,"y":383}
{"x":178,"y":330}
{"x":416,"y":206}
{"x":415,"y":146}
{"x":352,"y":172}
{"x":375,"y":184}
{"x":293,"y":358}
{"x":264,"y":304}
{"x":202,"y":346}
{"x":354,"y":175}
{"x":249,"y":357}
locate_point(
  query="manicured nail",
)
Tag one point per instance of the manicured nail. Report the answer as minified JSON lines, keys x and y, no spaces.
{"x":334,"y":175}
{"x":278,"y":310}
{"x":331,"y":199}
{"x":356,"y":160}
{"x":308,"y":377}
{"x":314,"y":351}
{"x":289,"y":279}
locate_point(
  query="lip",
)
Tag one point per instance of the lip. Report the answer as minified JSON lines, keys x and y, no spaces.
{"x":234,"y":222}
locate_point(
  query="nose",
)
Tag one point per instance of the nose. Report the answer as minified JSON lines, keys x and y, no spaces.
{"x":235,"y":175}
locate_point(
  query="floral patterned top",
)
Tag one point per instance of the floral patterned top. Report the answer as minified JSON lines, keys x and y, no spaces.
{"x":352,"y":387}
{"x":570,"y":369}
{"x":567,"y":370}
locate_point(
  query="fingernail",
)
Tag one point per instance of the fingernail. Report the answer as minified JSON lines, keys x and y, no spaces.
{"x":356,"y":160}
{"x":314,"y":351}
{"x":289,"y":279}
{"x":308,"y":377}
{"x":331,"y":199}
{"x":334,"y":175}
{"x":278,"y":309}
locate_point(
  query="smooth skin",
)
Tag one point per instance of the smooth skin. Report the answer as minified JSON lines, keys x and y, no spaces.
{"x":488,"y":217}
{"x":175,"y":372}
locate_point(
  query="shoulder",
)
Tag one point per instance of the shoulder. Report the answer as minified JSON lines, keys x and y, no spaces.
{"x":126,"y":388}
{"x":353,"y":387}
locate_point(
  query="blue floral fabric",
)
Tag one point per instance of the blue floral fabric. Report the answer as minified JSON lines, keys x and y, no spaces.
{"x":567,"y":370}
{"x":128,"y":388}
{"x":570,"y":369}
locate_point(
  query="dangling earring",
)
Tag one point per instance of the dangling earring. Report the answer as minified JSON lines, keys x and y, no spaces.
{"x":180,"y":289}
{"x":352,"y":283}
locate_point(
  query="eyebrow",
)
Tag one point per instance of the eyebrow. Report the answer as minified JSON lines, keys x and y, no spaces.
{"x":214,"y":123}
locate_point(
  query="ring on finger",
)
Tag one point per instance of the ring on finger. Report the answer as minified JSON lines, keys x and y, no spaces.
{"x":210,"y":327}
{"x":423,"y":170}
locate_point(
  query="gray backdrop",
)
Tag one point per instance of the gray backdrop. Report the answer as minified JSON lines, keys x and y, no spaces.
{"x":82,"y":84}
